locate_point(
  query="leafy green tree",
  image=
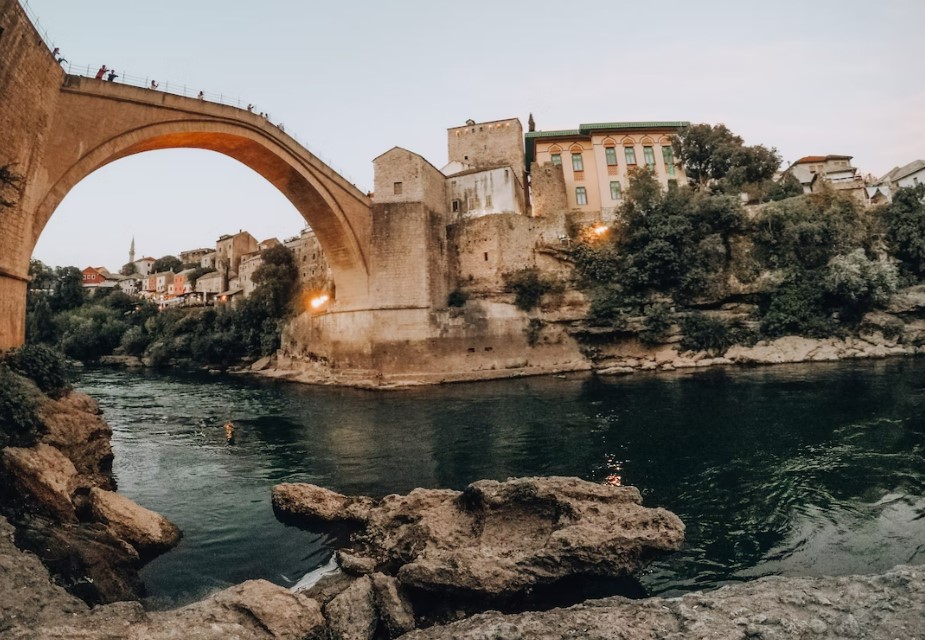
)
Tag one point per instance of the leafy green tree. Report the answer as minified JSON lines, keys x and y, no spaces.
{"x":855,"y":283}
{"x":40,"y":321}
{"x":127,"y":269}
{"x":41,"y":276}
{"x":68,"y":291}
{"x":277,"y":281}
{"x":904,"y":219}
{"x":713,"y":155}
{"x":166,"y":263}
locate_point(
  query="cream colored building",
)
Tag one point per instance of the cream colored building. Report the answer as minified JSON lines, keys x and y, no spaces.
{"x":314,"y":272}
{"x":597,"y":159}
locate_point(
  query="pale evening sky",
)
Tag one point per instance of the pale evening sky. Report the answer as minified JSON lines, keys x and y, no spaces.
{"x":353,"y":79}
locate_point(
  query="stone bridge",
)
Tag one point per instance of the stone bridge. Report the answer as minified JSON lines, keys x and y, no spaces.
{"x":56,"y":129}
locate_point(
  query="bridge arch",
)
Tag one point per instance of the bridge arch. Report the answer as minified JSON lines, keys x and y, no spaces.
{"x":297,"y":180}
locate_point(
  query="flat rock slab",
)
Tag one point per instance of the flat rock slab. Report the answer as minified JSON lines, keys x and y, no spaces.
{"x":882,"y":607}
{"x":495,"y":540}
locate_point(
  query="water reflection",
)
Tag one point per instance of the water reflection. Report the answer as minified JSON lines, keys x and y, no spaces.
{"x":797,"y":470}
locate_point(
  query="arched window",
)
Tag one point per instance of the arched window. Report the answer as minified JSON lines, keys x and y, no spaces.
{"x":578,"y":163}
{"x":555,"y":154}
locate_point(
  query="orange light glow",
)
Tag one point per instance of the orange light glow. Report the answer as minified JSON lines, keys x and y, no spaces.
{"x":319,"y":301}
{"x":600,"y":229}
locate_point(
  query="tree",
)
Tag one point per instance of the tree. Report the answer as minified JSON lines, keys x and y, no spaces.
{"x":166,"y":263}
{"x":68,"y":291}
{"x":127,"y":269}
{"x":905,"y":228}
{"x":277,"y":281}
{"x":713,"y":155}
{"x":41,"y":276}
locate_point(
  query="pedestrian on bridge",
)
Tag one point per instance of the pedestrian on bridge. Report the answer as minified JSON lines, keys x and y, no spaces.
{"x":154,"y":84}
{"x":112,"y":75}
{"x":201,"y":96}
{"x":99,"y":74}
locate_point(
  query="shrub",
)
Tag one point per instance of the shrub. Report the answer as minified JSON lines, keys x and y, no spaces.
{"x":533,"y":330}
{"x":529,"y":287}
{"x":135,"y":341}
{"x":43,"y":365}
{"x":19,"y":426}
{"x":658,"y":320}
{"x":457,"y":298}
{"x":855,"y":283}
{"x":798,"y":308}
{"x":705,"y":333}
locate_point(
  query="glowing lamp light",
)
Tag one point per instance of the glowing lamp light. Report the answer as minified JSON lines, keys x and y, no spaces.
{"x":600,"y":229}
{"x":318,"y":301}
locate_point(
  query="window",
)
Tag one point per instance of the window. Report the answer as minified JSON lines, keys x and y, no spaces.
{"x":615,"y":190}
{"x":397,"y":188}
{"x":630,"y":155}
{"x":610,"y":154}
{"x":581,"y":196}
{"x":577,"y":163}
{"x":668,"y":155}
{"x":486,"y":256}
{"x":557,"y":159}
{"x":455,"y":206}
{"x":649,"y":155}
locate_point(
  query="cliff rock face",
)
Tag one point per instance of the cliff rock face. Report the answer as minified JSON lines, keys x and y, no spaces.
{"x":495,"y":540}
{"x":873,"y":607}
{"x":58,"y":496}
{"x":32,"y":607}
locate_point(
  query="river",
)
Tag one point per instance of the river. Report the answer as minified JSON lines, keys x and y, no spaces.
{"x":793,"y":470}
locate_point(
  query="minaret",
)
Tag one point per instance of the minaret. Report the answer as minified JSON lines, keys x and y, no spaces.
{"x":131,"y":252}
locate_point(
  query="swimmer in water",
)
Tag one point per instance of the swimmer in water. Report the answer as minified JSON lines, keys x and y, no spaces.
{"x":229,"y":432}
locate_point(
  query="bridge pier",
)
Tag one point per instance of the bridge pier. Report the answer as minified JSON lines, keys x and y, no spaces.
{"x":12,"y":309}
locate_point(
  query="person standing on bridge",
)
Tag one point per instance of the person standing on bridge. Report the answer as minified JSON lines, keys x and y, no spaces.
{"x":201,"y":96}
{"x":154,"y":85}
{"x":99,"y":74}
{"x":112,"y":75}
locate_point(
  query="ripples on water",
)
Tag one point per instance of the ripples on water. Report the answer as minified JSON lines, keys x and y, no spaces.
{"x":798,"y":470}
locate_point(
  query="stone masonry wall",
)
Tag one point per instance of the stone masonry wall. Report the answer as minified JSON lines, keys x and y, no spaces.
{"x":483,"y":250}
{"x":408,"y":255}
{"x":488,"y":144}
{"x":27,"y":65}
{"x":547,"y":190}
{"x":420,"y":181}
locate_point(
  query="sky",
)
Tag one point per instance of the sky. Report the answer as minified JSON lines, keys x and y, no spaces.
{"x":354,"y":78}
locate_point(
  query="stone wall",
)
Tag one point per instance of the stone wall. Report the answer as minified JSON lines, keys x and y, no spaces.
{"x":477,"y":193}
{"x":483,"y":250}
{"x":547,"y":190}
{"x":404,"y":176}
{"x":488,"y":144}
{"x":29,"y":81}
{"x":408,"y":253}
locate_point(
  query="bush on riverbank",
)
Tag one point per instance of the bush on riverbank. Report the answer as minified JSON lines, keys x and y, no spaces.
{"x":43,"y":365}
{"x":19,"y":425}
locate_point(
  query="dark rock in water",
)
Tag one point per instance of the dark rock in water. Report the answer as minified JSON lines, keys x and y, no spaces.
{"x":496,"y":541}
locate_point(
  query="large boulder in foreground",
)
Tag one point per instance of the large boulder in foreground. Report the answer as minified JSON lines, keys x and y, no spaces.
{"x":499,"y":540}
{"x":148,"y":532}
{"x":881,"y":607}
{"x":42,"y":479}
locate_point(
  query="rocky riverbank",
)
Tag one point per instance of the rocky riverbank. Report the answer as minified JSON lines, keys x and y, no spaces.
{"x":59,"y":495}
{"x":882,"y":607}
